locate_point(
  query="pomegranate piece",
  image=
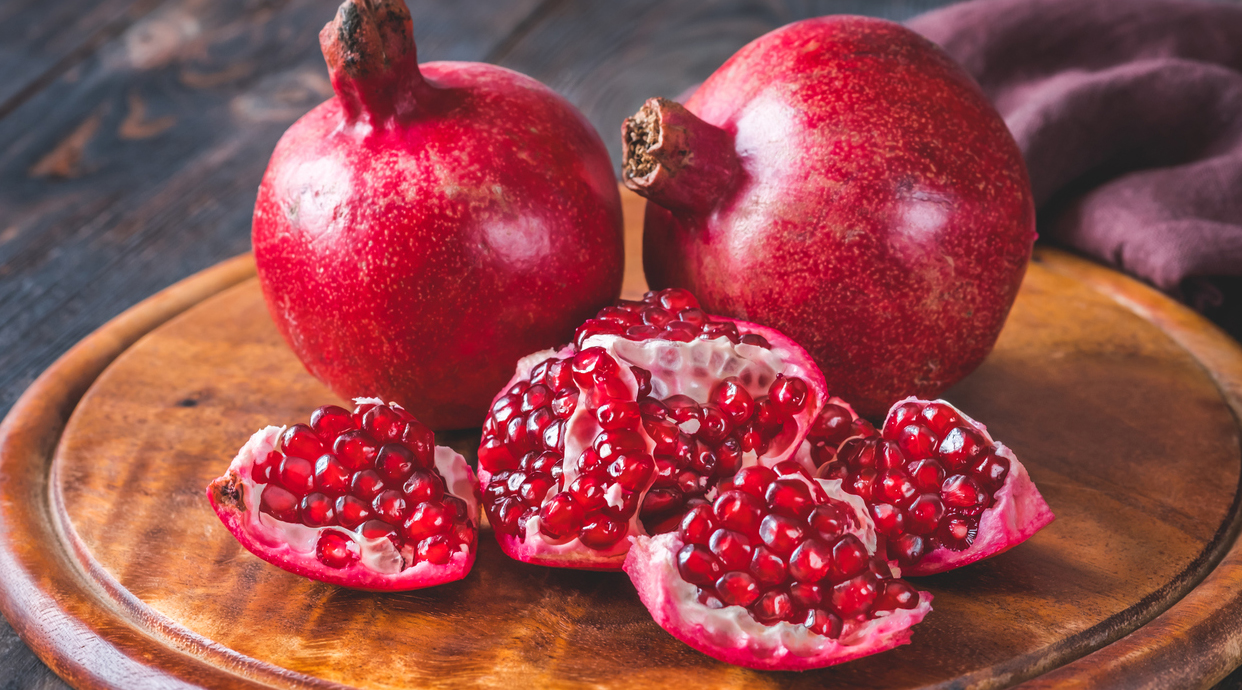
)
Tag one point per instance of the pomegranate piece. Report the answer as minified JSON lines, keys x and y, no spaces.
{"x":938,"y":487}
{"x":363,"y":500}
{"x":428,"y":225}
{"x":884,"y":221}
{"x":618,"y":434}
{"x":803,"y":592}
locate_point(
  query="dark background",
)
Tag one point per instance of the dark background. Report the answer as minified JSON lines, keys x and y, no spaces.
{"x":133,"y":134}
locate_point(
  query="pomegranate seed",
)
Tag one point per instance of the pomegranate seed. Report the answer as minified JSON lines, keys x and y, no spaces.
{"x":535,"y":397}
{"x":394,"y":463}
{"x":458,"y":507}
{"x":535,"y":489}
{"x":383,"y":422}
{"x":849,"y":558}
{"x":924,"y":514}
{"x":824,"y":623}
{"x":734,"y":400}
{"x":833,"y":470}
{"x":767,"y":567}
{"x":389,"y":506}
{"x":279,"y":503}
{"x":832,"y":426}
{"x":895,"y":487}
{"x":861,"y":483}
{"x":360,"y":411}
{"x":618,"y":315}
{"x":715,"y":426}
{"x":426,"y":520}
{"x":656,"y":316}
{"x":622,"y":513}
{"x":505,"y":407}
{"x":854,"y":597}
{"x":939,"y":418}
{"x":351,"y":511}
{"x":729,"y":456}
{"x":857,"y":453}
{"x":560,"y":517}
{"x":643,"y":377}
{"x":297,"y":475}
{"x":756,"y":340}
{"x":828,"y":521}
{"x":927,"y":475}
{"x":772,"y":606}
{"x":506,"y":515}
{"x":738,"y":511}
{"x":588,"y":491}
{"x":737,"y":589}
{"x":788,"y":395}
{"x":732,"y":548}
{"x":959,"y":491}
{"x":355,"y":449}
{"x":593,"y":365}
{"x":703,"y":461}
{"x":613,"y":443}
{"x":540,"y":463}
{"x":754,"y":480}
{"x":601,"y":531}
{"x":916,"y":442}
{"x":697,"y":565}
{"x":889,"y":520}
{"x":618,"y":414}
{"x":632,"y":472}
{"x":318,"y":510}
{"x":767,"y":419}
{"x":537,"y":422}
{"x":905,"y":415}
{"x":960,"y":447}
{"x":565,"y":402}
{"x":790,"y":497}
{"x":716,"y":329}
{"x":781,"y":534}
{"x":437,"y":549}
{"x":331,"y":421}
{"x":366,"y":485}
{"x":990,"y":471}
{"x":810,"y":562}
{"x":589,"y":461}
{"x":677,"y":299}
{"x":421,"y":441}
{"x":264,"y":468}
{"x":554,"y":436}
{"x":331,"y":477}
{"x":375,"y":529}
{"x":300,"y":441}
{"x":896,"y":595}
{"x":957,"y":533}
{"x":560,"y":376}
{"x":333,"y":550}
{"x":693,"y":316}
{"x":643,"y":332}
{"x":907,"y":549}
{"x":423,"y":486}
{"x":804,"y":594}
{"x":661,"y":501}
{"x":679,"y":332}
{"x":697,"y":525}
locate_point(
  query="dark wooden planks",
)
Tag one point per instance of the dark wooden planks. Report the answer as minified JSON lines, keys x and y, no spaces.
{"x":607,"y":58}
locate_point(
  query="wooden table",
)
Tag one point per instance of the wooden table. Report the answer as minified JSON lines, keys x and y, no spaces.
{"x":133,"y":133}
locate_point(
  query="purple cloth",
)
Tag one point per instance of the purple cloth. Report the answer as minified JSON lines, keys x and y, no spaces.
{"x":1129,"y":113}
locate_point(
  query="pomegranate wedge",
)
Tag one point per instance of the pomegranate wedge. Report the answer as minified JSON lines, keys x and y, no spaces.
{"x":363,"y":499}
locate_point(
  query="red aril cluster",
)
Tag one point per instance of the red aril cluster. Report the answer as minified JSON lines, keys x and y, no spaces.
{"x":599,"y":445}
{"x":357,"y":479}
{"x":774,"y":543}
{"x":670,"y":314}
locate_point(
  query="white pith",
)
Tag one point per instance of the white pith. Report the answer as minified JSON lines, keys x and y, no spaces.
{"x":688,"y":368}
{"x":378,"y":555}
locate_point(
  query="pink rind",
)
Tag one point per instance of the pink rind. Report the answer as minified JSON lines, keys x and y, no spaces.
{"x":234,"y":513}
{"x":651,"y":567}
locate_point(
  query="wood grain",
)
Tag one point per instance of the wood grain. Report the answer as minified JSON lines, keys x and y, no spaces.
{"x":142,"y":575}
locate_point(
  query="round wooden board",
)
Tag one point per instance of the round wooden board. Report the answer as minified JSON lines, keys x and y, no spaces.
{"x":1123,"y":405}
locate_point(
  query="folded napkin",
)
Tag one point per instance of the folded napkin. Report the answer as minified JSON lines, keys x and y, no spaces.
{"x":1129,"y":114}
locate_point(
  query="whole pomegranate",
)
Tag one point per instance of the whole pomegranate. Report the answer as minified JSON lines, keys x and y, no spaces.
{"x":843,"y":181}
{"x":427,"y":226}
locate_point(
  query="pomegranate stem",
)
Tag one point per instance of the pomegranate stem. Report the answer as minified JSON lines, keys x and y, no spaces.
{"x":677,"y":160}
{"x":369,"y":48}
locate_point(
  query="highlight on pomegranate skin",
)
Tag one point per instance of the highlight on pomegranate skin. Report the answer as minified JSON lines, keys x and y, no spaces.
{"x":361,"y":499}
{"x":940,"y":490}
{"x":617,"y":434}
{"x":779,"y":572}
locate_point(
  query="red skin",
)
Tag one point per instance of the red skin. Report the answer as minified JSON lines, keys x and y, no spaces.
{"x":421,"y":231}
{"x":878,"y":210}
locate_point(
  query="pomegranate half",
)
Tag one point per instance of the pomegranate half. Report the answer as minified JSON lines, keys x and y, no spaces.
{"x":430,"y":224}
{"x":361,"y":499}
{"x":619,"y":433}
{"x":859,"y":180}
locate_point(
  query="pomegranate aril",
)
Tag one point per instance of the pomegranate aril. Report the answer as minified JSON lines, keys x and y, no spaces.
{"x":756,"y":340}
{"x":656,"y":316}
{"x":565,"y":402}
{"x":366,"y":485}
{"x":317,"y":510}
{"x":355,"y":449}
{"x":535,"y":489}
{"x":907,"y":549}
{"x":924,"y":514}
{"x":823,"y":622}
{"x":854,"y":597}
{"x":697,"y":525}
{"x":505,"y":515}
{"x":333,"y":550}
{"x":957,"y":533}
{"x":677,"y":299}
{"x":896,"y":595}
{"x":330,"y":421}
{"x":767,"y":567}
{"x":437,"y":549}
{"x":264,"y":469}
{"x":927,"y":475}
{"x":732,"y":548}
{"x":593,"y":365}
{"x":772,"y":606}
{"x":831,"y":427}
{"x":560,"y":517}
{"x":426,"y":520}
{"x":300,"y":441}
{"x":788,"y":395}
{"x":614,"y":443}
{"x":394,"y":463}
{"x":805,"y":595}
{"x":601,"y":531}
{"x":849,"y":558}
{"x":917,"y":442}
{"x":738,"y":511}
{"x":297,"y":475}
{"x":383,"y":422}
{"x":810,"y":562}
{"x":632,"y":472}
{"x":377,"y":529}
{"x":693,"y":316}
{"x":961,"y":491}
{"x":728,"y":457}
{"x":737,"y":589}
{"x":588,"y":491}
{"x":754,"y":480}
{"x":990,"y":471}
{"x":389,"y":506}
{"x":861,"y":483}
{"x":939,"y":418}
{"x":906,"y":414}
{"x":618,"y":414}
{"x":331,"y":477}
{"x":352,"y":511}
{"x":895,"y":487}
{"x":717,"y":329}
{"x":829,"y":522}
{"x":540,"y":463}
{"x":790,"y":497}
{"x":889,"y":519}
{"x":535,"y":397}
{"x":960,"y":447}
{"x":560,"y":376}
{"x":420,"y":440}
{"x":697,"y":565}
{"x":279,"y":503}
{"x":616,"y":315}
{"x":781,"y":534}
{"x":662,"y":500}
{"x":732,"y":398}
{"x":643,"y":377}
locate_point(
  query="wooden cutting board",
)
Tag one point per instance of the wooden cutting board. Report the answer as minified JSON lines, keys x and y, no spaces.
{"x":1123,"y":404}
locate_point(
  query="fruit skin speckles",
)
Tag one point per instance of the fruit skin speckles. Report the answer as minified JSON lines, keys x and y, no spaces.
{"x":407,"y":248}
{"x":883,"y":221}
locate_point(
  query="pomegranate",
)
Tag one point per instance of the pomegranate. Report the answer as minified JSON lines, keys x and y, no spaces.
{"x":940,"y":490}
{"x":871,"y":196}
{"x":612,"y":436}
{"x":430,"y":224}
{"x":361,"y":499}
{"x":778,"y":572}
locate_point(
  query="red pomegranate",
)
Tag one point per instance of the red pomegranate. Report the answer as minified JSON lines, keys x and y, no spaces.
{"x":363,"y":499}
{"x":423,"y":229}
{"x":843,"y":181}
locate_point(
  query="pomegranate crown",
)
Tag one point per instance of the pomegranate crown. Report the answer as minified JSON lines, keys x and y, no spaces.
{"x":369,"y":48}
